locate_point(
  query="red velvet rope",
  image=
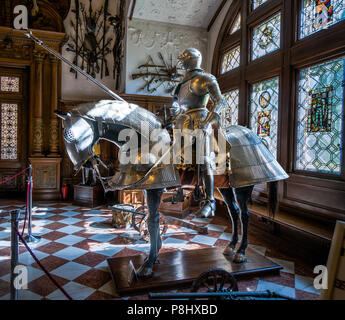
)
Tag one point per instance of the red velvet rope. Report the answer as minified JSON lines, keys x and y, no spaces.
{"x":42,"y":267}
{"x":16,"y":175}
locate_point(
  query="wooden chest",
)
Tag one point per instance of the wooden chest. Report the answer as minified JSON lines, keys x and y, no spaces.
{"x":88,"y":196}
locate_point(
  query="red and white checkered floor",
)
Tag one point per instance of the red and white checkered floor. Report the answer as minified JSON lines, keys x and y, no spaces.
{"x":77,"y":241}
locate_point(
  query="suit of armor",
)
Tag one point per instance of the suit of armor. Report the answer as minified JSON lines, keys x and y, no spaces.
{"x":189,"y":111}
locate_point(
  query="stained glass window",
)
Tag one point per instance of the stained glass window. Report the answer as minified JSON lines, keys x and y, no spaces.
{"x":266,"y":37}
{"x":230,"y":114}
{"x":231,"y":60}
{"x":258,"y":3}
{"x":320,"y":14}
{"x":237,"y":24}
{"x":9,"y":131}
{"x":320,"y":117}
{"x":264,"y":112}
{"x":9,"y":84}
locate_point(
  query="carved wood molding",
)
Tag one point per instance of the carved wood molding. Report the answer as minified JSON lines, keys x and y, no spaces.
{"x":15,"y":47}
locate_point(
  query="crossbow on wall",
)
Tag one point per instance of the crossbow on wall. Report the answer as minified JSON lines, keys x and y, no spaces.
{"x":155,"y":75}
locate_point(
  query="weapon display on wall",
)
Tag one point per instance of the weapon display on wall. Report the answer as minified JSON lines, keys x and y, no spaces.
{"x":156,"y":75}
{"x":91,"y":41}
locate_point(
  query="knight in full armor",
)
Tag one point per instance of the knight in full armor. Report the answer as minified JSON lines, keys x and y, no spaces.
{"x":189,"y":111}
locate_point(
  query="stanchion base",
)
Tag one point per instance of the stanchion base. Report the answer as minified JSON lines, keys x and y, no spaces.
{"x":32,"y":239}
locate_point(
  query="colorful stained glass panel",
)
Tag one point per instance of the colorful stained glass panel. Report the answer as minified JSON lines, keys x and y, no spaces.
{"x":258,"y":3}
{"x":237,"y":24}
{"x":9,"y":131}
{"x":320,"y":117}
{"x":230,"y":114}
{"x":320,"y":113}
{"x":231,"y":60}
{"x":9,"y":84}
{"x":320,"y":14}
{"x":264,"y":123}
{"x":264,"y":112}
{"x":266,"y":37}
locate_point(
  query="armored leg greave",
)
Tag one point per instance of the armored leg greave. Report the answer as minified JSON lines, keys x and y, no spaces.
{"x":209,"y":204}
{"x":153,"y":198}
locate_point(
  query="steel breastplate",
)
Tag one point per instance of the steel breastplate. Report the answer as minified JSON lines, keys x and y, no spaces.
{"x":188,"y":100}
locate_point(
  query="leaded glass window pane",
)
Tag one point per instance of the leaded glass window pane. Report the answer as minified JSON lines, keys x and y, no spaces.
{"x":9,"y":84}
{"x":230,"y":114}
{"x":258,"y":3}
{"x":9,"y":131}
{"x":237,"y":24}
{"x":266,"y":37}
{"x":320,"y":117}
{"x":320,"y":14}
{"x":231,"y":60}
{"x":264,"y":112}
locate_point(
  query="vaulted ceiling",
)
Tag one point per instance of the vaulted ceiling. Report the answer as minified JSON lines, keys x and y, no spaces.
{"x":195,"y":13}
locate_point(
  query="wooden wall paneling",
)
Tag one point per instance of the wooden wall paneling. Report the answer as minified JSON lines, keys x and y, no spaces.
{"x":38,"y":125}
{"x":229,"y":43}
{"x":323,"y":45}
{"x":264,"y":11}
{"x":318,"y":196}
{"x":229,"y":80}
{"x":17,"y":51}
{"x":47,"y":178}
{"x":286,"y":111}
{"x":262,"y":68}
{"x":54,"y":149}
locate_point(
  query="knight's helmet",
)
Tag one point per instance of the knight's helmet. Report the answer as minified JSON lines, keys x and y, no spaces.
{"x":190,"y":59}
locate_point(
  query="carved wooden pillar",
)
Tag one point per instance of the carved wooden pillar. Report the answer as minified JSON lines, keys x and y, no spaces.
{"x":54,"y":123}
{"x":38,"y":106}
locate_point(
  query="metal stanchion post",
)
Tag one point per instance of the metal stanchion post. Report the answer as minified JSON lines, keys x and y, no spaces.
{"x":30,"y":237}
{"x":14,"y":252}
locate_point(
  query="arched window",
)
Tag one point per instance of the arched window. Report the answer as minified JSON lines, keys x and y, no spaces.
{"x":281,"y":67}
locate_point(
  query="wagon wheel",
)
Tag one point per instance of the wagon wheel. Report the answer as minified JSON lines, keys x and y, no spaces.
{"x":144,"y":230}
{"x":138,"y":216}
{"x":215,"y":280}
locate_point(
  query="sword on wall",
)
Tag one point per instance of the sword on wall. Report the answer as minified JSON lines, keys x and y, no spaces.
{"x":73,"y":66}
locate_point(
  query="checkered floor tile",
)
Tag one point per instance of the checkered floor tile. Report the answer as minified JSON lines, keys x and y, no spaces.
{"x":77,"y":241}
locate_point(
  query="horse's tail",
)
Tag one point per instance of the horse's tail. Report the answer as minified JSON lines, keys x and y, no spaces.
{"x":272,"y":198}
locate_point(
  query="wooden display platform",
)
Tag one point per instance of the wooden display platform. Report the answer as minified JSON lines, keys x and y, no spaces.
{"x":181,"y":268}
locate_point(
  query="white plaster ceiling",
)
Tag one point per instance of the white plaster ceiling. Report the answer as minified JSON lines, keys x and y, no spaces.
{"x":195,"y":13}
